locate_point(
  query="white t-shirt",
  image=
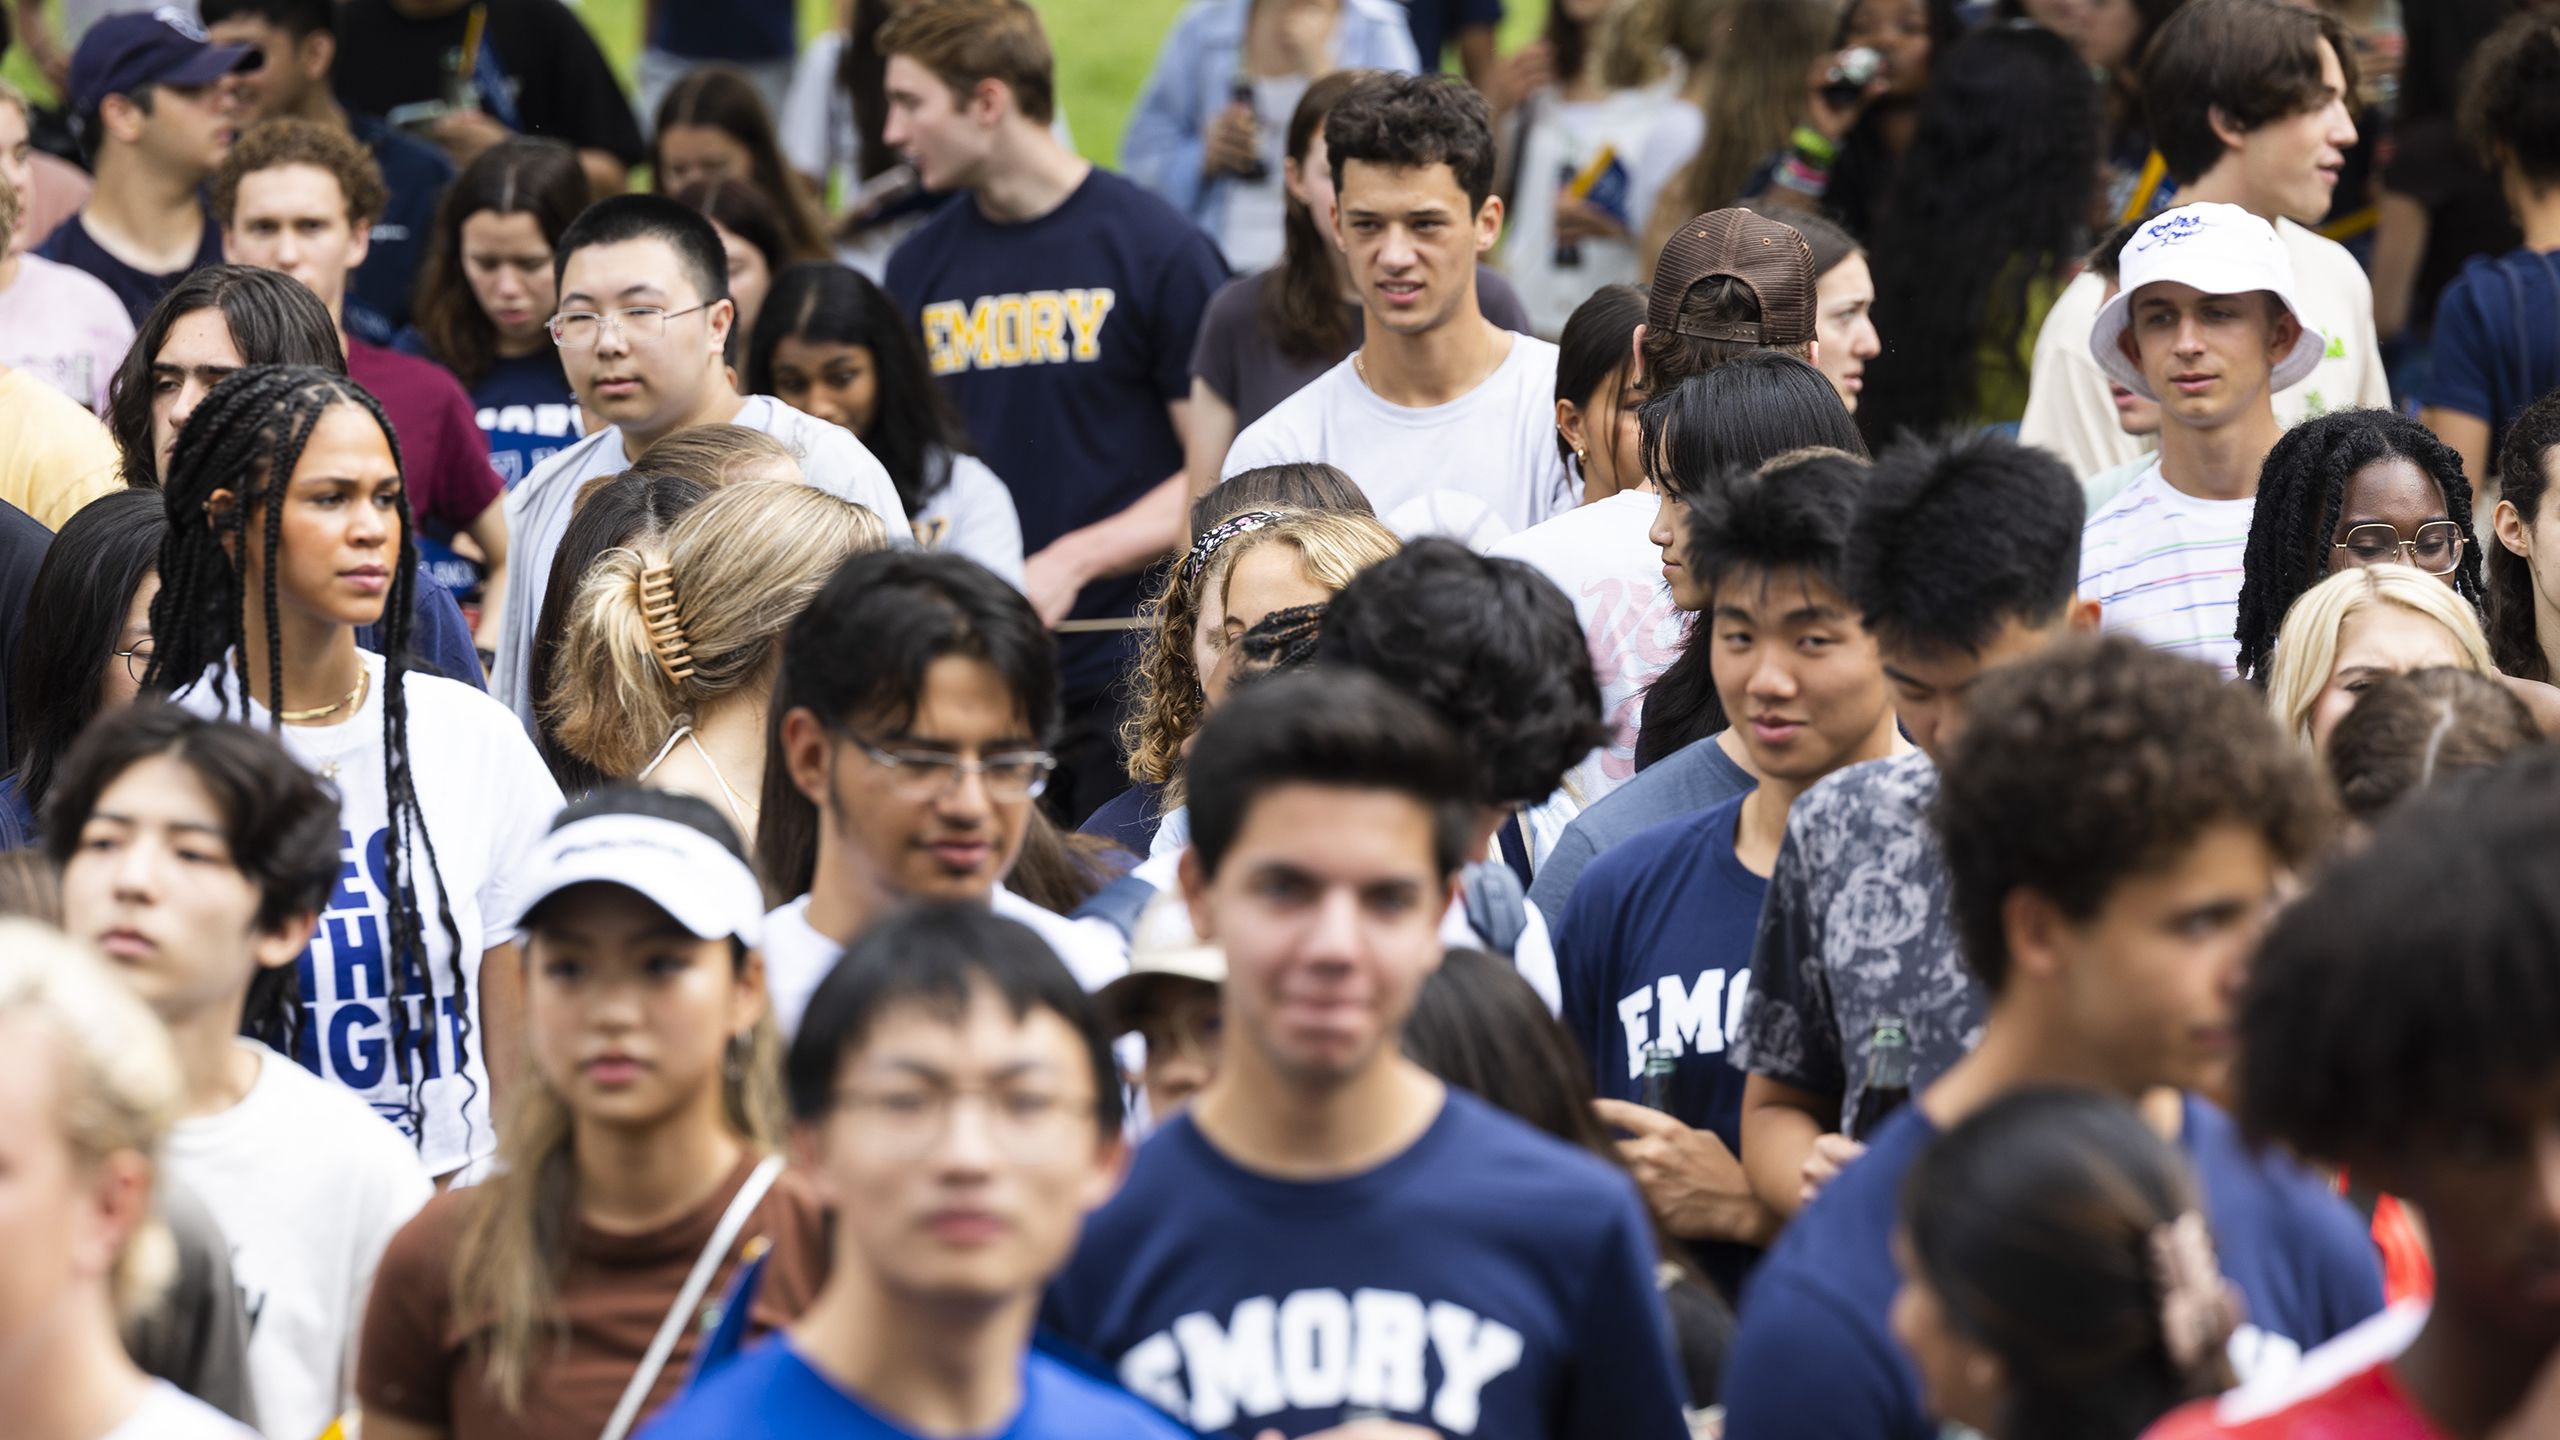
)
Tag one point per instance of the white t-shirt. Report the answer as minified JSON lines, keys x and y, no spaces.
{"x":973,"y":515}
{"x":1482,"y":466}
{"x":2164,"y":567}
{"x":487,"y":799}
{"x":1563,"y":138}
{"x":538,"y":510}
{"x":797,"y":958}
{"x":65,"y":327}
{"x":169,"y":1413}
{"x":1601,"y":557}
{"x":1679,"y":127}
{"x":2070,"y":414}
{"x":308,"y":1187}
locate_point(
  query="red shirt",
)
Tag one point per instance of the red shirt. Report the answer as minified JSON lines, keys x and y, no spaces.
{"x":444,"y":459}
{"x":2345,"y":1390}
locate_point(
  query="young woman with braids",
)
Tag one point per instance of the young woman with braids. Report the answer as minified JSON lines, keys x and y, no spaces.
{"x":287,"y":530}
{"x":197,"y":855}
{"x":2358,"y":487}
{"x":673,"y":641}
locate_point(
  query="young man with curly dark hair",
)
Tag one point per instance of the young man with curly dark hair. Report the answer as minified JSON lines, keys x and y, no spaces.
{"x":2397,"y":1024}
{"x":2115,"y":823}
{"x":1445,"y":418}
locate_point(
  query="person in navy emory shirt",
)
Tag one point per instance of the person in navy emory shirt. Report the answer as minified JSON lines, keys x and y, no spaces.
{"x":2115,"y":821}
{"x":1328,"y":1233}
{"x":945,"y":1225}
{"x":1058,"y":305}
{"x":1654,"y":949}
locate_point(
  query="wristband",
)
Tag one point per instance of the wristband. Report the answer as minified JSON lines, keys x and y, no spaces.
{"x":1818,"y":149}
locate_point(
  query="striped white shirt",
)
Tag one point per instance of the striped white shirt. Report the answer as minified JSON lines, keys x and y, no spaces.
{"x":2165,"y":567}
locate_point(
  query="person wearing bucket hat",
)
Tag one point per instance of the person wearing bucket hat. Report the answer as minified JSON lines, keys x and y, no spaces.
{"x":1169,"y":999}
{"x":2205,"y":322}
{"x":641,"y":1173}
{"x":155,"y":119}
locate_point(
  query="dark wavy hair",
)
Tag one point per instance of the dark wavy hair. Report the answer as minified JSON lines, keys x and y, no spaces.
{"x":278,"y":821}
{"x":1411,"y":122}
{"x":1990,"y":204}
{"x":2410,"y":733}
{"x":2300,"y":491}
{"x":83,"y":588}
{"x":1863,"y":174}
{"x":718,"y":97}
{"x":247,"y":437}
{"x":522,"y":175}
{"x":914,"y":429}
{"x":1302,"y":305}
{"x":2032,"y":1221}
{"x":1490,"y":645}
{"x":273,"y":318}
{"x":2524,"y":481}
{"x":2248,"y":63}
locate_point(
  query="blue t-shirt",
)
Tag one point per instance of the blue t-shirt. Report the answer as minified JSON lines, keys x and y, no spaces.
{"x":731,"y":30}
{"x":414,"y":174}
{"x":439,"y":640}
{"x":772,"y":1391}
{"x":1684,"y":782}
{"x":2497,"y":345}
{"x":1062,"y":340}
{"x":527,"y":413}
{"x":1489,"y":1281}
{"x":1654,"y":948}
{"x":1436,"y":22}
{"x":73,"y":245}
{"x":1814,"y":1357}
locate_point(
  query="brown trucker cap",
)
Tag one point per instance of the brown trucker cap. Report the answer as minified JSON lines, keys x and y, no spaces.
{"x":1767,"y":256}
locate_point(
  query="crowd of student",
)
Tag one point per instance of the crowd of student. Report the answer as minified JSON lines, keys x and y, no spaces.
{"x":1758,"y":724}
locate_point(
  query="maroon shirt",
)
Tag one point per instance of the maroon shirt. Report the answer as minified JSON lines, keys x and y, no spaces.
{"x":444,"y":459}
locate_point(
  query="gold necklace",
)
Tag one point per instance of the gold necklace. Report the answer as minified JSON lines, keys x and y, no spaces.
{"x":297,"y":717}
{"x":1360,"y":368}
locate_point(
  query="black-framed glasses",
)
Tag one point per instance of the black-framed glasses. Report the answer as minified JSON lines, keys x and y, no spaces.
{"x":639,"y":324}
{"x":136,"y":660}
{"x":905,"y":1120}
{"x":919,"y":774}
{"x":2436,"y":549}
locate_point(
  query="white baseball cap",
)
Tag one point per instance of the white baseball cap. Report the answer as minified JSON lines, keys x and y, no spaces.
{"x":2218,"y":249}
{"x":694,"y":878}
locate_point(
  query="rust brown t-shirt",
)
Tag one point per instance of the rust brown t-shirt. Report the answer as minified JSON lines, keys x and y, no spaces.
{"x":417,"y":1358}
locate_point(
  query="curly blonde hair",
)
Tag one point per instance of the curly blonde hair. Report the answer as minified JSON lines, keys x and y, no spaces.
{"x":1165,"y":696}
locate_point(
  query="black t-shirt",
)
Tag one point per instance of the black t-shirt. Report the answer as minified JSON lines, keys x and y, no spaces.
{"x":22,"y":546}
{"x":538,"y":71}
{"x":415,"y":173}
{"x":1061,"y":340}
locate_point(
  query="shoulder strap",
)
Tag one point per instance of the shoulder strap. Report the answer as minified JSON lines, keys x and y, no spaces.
{"x":724,"y":1235}
{"x":1496,"y":906}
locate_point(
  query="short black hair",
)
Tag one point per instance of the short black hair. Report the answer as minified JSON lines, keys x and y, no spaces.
{"x":1738,"y":415}
{"x":936,"y":956}
{"x":2524,"y":481}
{"x":83,"y":587}
{"x":296,"y":18}
{"x":1334,"y":728}
{"x":613,"y":220}
{"x":279,"y":822}
{"x":1412,"y":121}
{"x":2256,"y":61}
{"x":1955,"y":537}
{"x":2511,"y":97}
{"x":858,"y":656}
{"x":1490,"y":645}
{"x":1775,"y":518}
{"x":2098,"y":761}
{"x":2417,"y":982}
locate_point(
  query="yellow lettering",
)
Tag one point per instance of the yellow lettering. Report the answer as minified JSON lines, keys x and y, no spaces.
{"x":939,"y":320}
{"x":1047,"y":341}
{"x":1009,"y":330}
{"x":1086,"y":311}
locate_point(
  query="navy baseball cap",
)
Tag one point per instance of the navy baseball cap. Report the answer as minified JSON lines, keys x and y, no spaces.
{"x":123,"y":53}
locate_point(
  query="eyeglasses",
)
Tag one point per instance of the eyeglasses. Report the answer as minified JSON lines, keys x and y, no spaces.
{"x":640,"y":324}
{"x":905,"y":1122}
{"x":930,"y":774}
{"x":136,"y":660}
{"x":2437,"y":549}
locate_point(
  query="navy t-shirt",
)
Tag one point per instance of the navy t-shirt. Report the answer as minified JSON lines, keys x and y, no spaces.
{"x":414,"y":174}
{"x":1062,"y":340}
{"x":772,"y":1391}
{"x":2497,"y":345}
{"x":1814,"y":1357}
{"x":73,"y":245}
{"x":1489,"y":1281}
{"x":1654,"y":948}
{"x":439,"y":639}
{"x":732,"y":30}
{"x":1437,"y":22}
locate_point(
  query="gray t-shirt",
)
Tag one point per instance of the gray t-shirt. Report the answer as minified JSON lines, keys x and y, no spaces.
{"x":1238,"y":359}
{"x":1856,"y":926}
{"x":194,"y":1334}
{"x":1693,"y":778}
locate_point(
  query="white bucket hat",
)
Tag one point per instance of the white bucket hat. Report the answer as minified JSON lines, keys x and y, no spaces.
{"x":2218,"y":249}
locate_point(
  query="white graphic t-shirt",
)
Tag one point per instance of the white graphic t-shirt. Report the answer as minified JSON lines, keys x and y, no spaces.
{"x":487,"y":799}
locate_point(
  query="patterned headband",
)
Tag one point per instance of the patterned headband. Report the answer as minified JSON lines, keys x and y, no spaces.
{"x":1213,"y":539}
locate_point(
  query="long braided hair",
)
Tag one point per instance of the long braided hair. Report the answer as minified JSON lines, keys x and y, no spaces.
{"x":248,"y":436}
{"x":2300,"y":492}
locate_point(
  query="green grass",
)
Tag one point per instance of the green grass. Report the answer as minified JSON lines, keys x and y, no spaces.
{"x":1105,"y":48}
